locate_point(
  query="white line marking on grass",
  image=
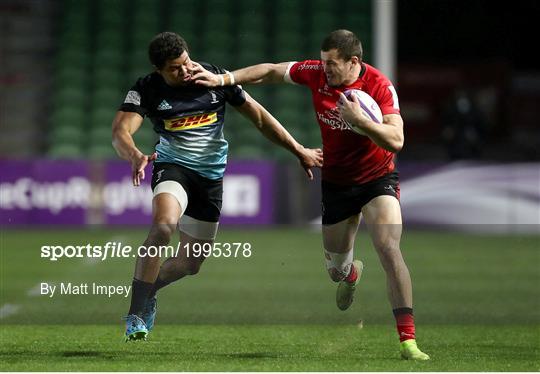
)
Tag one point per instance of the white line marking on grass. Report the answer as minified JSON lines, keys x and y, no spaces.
{"x":8,"y":310}
{"x":34,"y":291}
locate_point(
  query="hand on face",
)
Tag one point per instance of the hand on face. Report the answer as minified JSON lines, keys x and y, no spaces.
{"x":194,"y":69}
{"x":204,"y":77}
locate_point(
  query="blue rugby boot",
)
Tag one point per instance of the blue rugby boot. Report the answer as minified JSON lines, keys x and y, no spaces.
{"x":149,"y":313}
{"x":135,"y":328}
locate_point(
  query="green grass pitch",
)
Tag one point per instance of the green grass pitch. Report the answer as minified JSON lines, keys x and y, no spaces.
{"x":477,"y":307}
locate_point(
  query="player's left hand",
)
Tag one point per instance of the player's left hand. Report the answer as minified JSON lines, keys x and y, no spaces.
{"x":199,"y":75}
{"x":310,"y":158}
{"x":350,"y":111}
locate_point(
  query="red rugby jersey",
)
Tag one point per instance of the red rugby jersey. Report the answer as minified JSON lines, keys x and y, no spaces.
{"x":349,"y":158}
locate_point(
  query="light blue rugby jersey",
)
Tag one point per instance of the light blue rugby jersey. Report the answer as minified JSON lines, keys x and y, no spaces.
{"x":189,"y":120}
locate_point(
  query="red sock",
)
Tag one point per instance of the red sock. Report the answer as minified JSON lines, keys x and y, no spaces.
{"x":405,"y":323}
{"x":353,"y":275}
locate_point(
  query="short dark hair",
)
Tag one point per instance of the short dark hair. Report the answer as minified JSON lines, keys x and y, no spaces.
{"x":166,"y":46}
{"x":346,"y":43}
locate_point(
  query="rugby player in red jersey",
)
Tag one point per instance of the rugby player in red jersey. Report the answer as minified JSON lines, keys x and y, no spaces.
{"x":358,"y":174}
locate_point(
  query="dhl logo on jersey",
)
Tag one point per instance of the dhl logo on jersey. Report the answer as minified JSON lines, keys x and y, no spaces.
{"x":190,"y":122}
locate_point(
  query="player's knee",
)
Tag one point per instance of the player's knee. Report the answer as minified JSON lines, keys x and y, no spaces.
{"x":387,"y":248}
{"x":162,"y":231}
{"x":391,"y":258}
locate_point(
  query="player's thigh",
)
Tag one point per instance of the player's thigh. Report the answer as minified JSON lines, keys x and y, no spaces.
{"x":166,"y":209}
{"x":197,"y":233}
{"x":166,"y":212}
{"x":170,"y":195}
{"x":193,"y":249}
{"x":340,"y":216}
{"x":339,"y":237}
{"x":383,"y":220}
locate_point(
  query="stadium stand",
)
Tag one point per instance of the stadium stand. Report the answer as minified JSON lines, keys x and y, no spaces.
{"x":102,"y":51}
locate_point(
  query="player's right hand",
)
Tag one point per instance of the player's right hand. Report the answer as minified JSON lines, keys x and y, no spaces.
{"x":199,"y":75}
{"x":138,"y":163}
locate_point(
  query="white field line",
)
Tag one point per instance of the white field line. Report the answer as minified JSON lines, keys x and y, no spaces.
{"x":8,"y":310}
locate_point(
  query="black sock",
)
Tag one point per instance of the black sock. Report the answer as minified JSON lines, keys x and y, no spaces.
{"x":157,"y":286}
{"x":140,"y":292}
{"x":400,"y":311}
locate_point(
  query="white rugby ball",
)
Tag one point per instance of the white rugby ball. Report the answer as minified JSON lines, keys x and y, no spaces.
{"x":369,"y":107}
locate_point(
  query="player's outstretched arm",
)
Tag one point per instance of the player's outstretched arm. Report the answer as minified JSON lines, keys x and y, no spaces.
{"x":125,"y":124}
{"x":273,"y":130}
{"x":261,"y":73}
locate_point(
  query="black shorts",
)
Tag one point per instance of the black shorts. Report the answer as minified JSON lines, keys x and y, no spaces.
{"x":204,"y":195}
{"x":341,"y":202}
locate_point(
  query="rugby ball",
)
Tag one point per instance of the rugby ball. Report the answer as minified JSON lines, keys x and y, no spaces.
{"x":369,"y":107}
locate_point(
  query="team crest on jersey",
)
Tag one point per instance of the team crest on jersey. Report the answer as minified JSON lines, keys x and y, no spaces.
{"x":190,"y":122}
{"x":214,"y":97}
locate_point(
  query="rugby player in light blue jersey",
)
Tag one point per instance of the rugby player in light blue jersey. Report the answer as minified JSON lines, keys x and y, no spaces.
{"x":189,"y":163}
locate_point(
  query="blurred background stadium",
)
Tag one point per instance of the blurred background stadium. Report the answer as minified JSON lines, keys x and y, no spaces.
{"x":469,"y":92}
{"x":67,"y":65}
{"x":90,"y":52}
